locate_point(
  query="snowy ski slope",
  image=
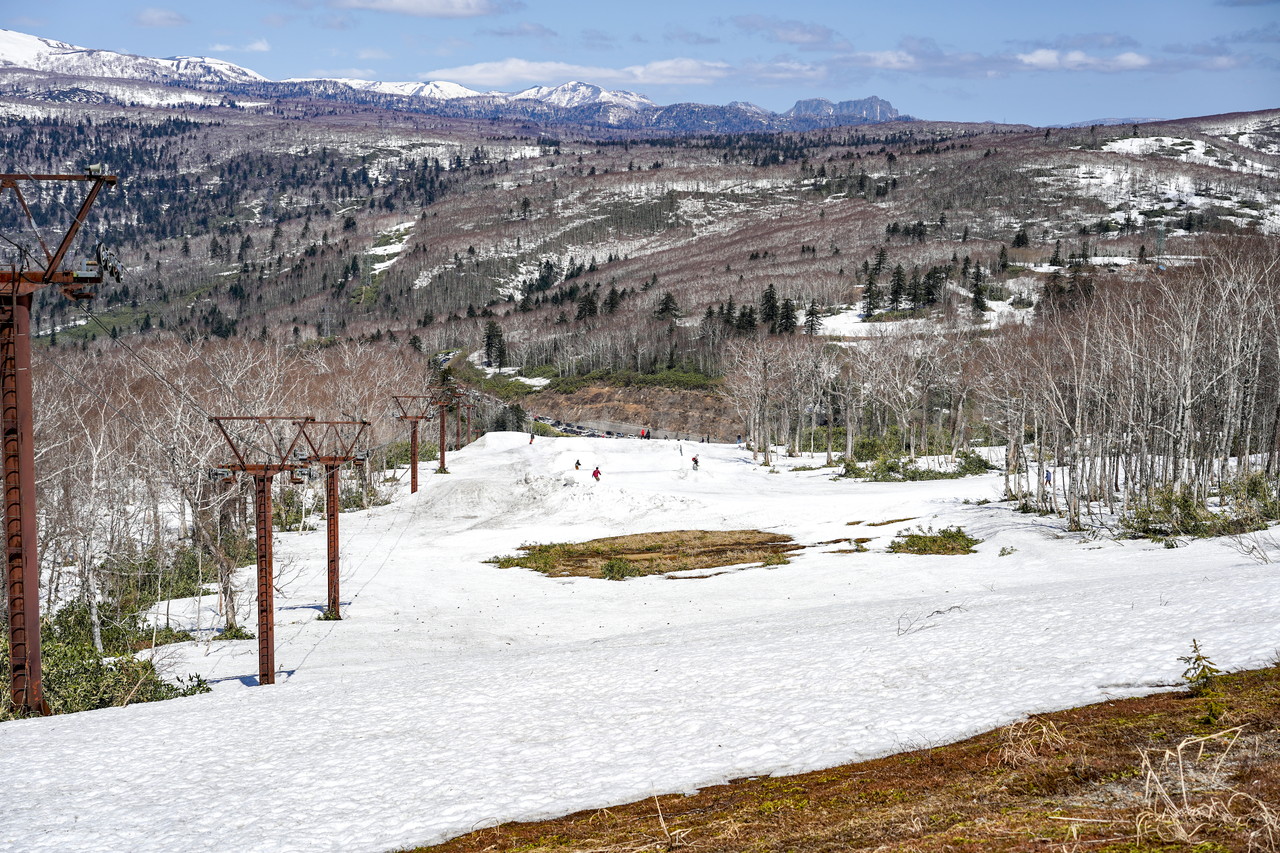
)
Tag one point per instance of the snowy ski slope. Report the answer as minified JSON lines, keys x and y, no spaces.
{"x":456,"y":695}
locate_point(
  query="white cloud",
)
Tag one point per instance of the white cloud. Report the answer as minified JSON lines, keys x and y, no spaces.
{"x":256,"y":46}
{"x":432,"y":8}
{"x":798,"y":33}
{"x":1046,"y":59}
{"x":783,"y":70}
{"x":373,"y":53}
{"x":888,"y":60}
{"x":513,"y":71}
{"x":160,"y":18}
{"x":345,"y":73}
{"x":524,"y":29}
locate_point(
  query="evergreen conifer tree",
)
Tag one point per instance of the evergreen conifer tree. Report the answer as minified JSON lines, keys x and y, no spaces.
{"x":769,"y":308}
{"x":787,"y":318}
{"x":812,"y":319}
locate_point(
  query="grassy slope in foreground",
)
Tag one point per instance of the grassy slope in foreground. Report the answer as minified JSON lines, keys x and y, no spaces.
{"x":1070,"y":780}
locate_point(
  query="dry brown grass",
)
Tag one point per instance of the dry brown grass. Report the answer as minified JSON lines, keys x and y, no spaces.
{"x":891,"y":521}
{"x":1189,"y":793}
{"x":1077,"y":780}
{"x":654,"y":553}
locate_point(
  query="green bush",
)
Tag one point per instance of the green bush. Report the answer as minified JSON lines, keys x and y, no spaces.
{"x":683,"y":380}
{"x":1201,"y":674}
{"x":948,"y":540}
{"x":1201,"y":677}
{"x":288,"y":512}
{"x":234,"y":632}
{"x":890,"y":468}
{"x":969,"y":464}
{"x":1171,"y":512}
{"x":399,"y":453}
{"x":76,"y":677}
{"x":616,"y":569}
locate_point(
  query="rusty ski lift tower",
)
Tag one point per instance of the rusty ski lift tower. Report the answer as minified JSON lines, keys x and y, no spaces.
{"x":414,"y":408}
{"x":17,"y":285}
{"x":469,"y":404}
{"x":444,"y":397}
{"x":332,"y":444}
{"x":275,"y":451}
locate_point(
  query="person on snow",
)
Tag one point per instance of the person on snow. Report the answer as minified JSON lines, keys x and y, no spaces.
{"x":531,"y":438}
{"x":577,"y":464}
{"x":695,"y":463}
{"x":595,"y":475}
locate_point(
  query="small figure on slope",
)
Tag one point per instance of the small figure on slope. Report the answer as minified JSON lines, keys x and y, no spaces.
{"x":596,"y":474}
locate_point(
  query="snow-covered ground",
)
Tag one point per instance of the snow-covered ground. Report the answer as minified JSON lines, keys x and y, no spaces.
{"x":455,"y":695}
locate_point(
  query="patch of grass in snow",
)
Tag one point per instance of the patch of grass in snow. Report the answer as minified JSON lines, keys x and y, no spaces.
{"x":924,"y":540}
{"x":1077,"y":780}
{"x":893,"y":469}
{"x":639,"y":554}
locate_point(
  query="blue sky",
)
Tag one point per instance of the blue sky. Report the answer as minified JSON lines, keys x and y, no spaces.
{"x":1010,"y":61}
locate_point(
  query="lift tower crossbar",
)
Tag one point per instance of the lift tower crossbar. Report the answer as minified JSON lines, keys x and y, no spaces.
{"x":332,"y":445}
{"x":22,"y":570}
{"x":274,"y":452}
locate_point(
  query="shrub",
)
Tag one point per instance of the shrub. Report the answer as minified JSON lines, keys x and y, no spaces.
{"x":948,"y":540}
{"x":685,"y":380}
{"x":1200,"y":674}
{"x":616,"y":569}
{"x":234,"y":632}
{"x":289,"y":510}
{"x":77,"y":677}
{"x":969,"y":464}
{"x":1177,"y":511}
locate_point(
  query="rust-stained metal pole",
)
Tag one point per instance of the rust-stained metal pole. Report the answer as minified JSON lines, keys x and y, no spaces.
{"x":332,"y":505}
{"x":266,"y":580}
{"x":444,"y":425}
{"x":333,"y":444}
{"x":413,"y":456}
{"x":470,"y":435}
{"x":262,"y":462}
{"x":17,"y":439}
{"x":26,"y":689}
{"x":457,"y":431}
{"x":414,"y":408}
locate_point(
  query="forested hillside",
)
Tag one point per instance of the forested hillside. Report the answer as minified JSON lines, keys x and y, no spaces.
{"x":1101,"y":302}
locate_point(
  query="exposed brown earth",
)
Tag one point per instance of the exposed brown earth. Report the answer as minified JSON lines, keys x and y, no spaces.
{"x":655,"y":553}
{"x":1108,"y":777}
{"x":694,"y":413}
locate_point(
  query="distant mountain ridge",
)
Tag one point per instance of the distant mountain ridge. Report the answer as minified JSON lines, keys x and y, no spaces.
{"x":572,"y":103}
{"x":41,"y":54}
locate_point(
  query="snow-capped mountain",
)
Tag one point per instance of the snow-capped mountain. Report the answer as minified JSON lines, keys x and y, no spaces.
{"x":26,"y":51}
{"x":578,"y":94}
{"x":129,"y":80}
{"x":436,"y":90}
{"x":870,"y":109}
